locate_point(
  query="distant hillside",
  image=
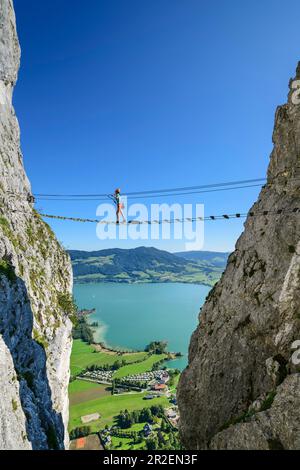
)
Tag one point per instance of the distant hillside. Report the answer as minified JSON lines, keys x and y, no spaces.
{"x":217,"y":258}
{"x":145,"y":265}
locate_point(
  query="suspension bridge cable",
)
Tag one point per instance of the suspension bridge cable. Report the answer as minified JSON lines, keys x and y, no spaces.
{"x":149,"y":196}
{"x":164,"y":190}
{"x":148,"y":192}
{"x":188,"y":190}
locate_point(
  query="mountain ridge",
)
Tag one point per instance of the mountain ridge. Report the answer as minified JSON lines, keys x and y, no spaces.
{"x":144,"y":264}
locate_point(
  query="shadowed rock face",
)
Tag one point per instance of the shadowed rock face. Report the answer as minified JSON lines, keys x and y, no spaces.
{"x":35,"y":286}
{"x":240,"y":389}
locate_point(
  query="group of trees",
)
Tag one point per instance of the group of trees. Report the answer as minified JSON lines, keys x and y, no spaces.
{"x":147,"y":415}
{"x":164,"y":438}
{"x":82,"y":330}
{"x":157,"y":347}
{"x":158,"y":442}
{"x":118,"y":364}
{"x":160,"y":347}
{"x":80,"y":432}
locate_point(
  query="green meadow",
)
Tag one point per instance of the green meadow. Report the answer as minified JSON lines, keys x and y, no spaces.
{"x":84,"y":355}
{"x":81,"y":386}
{"x":109,"y":407}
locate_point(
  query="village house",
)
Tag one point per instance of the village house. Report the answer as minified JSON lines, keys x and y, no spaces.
{"x":158,"y":387}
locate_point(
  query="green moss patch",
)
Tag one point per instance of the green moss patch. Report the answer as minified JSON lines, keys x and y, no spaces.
{"x":67,"y":304}
{"x":14,"y":405}
{"x":39,"y":339}
{"x":7,"y":270}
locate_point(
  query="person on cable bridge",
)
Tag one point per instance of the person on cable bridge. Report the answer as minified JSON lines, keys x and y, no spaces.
{"x":120,"y":206}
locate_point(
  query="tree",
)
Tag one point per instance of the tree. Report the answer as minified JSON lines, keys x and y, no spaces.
{"x":160,"y":438}
{"x":124,"y":419}
{"x":152,"y":443}
{"x":155,"y":419}
{"x":117,"y":365}
{"x":157,"y":410}
{"x":135,"y":414}
{"x":146,"y":415}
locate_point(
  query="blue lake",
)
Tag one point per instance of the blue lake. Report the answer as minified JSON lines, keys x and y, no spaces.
{"x":132,"y":315}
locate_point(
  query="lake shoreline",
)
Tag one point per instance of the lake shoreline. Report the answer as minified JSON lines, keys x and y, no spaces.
{"x":159,"y":281}
{"x":129,"y":318}
{"x":103,"y":347}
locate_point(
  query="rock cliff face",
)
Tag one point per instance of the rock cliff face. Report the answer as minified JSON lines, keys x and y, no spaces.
{"x":241,"y":389}
{"x":35,"y":289}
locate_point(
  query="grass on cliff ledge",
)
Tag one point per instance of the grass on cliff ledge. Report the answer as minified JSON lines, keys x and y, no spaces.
{"x":7,"y":270}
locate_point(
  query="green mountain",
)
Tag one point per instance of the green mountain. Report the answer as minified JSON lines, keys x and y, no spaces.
{"x":147,"y":265}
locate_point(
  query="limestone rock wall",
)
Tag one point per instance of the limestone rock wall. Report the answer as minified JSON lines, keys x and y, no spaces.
{"x":35,"y":289}
{"x":241,"y":389}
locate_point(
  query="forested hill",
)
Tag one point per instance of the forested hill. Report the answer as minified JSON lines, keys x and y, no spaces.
{"x":146,"y":265}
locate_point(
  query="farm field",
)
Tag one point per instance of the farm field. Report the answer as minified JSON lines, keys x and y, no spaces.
{"x":81,"y":391}
{"x":110,"y":406}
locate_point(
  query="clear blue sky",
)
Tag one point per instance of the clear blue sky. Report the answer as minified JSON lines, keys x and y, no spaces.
{"x":149,"y":94}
